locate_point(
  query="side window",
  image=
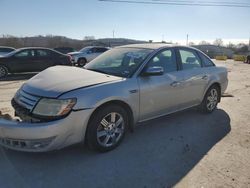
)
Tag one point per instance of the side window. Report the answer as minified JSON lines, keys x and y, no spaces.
{"x":189,"y":59}
{"x":101,"y":50}
{"x":165,"y":59}
{"x":92,"y":50}
{"x":6,"y":50}
{"x":42,"y":53}
{"x":206,"y":61}
{"x":26,"y":54}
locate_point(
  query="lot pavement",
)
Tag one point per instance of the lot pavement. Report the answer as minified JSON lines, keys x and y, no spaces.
{"x":186,"y":149}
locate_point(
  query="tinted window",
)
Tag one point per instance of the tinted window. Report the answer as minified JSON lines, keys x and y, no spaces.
{"x":189,"y":59}
{"x":6,"y":50}
{"x":92,"y":50}
{"x":26,"y":53}
{"x":101,"y":50}
{"x":43,"y":53}
{"x":206,"y":61}
{"x":165,"y":59}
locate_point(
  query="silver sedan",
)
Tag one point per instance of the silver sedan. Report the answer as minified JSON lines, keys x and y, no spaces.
{"x":63,"y":105}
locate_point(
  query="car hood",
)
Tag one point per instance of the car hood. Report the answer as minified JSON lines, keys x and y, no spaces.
{"x":57,"y":80}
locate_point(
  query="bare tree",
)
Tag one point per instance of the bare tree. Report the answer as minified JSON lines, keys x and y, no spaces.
{"x":231,"y":45}
{"x":218,"y":42}
{"x":203,"y":42}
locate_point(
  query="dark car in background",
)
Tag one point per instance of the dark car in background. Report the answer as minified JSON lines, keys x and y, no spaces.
{"x":65,"y":50}
{"x":31,"y":60}
{"x":5,"y":50}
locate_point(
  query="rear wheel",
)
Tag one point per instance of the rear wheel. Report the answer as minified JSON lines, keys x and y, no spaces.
{"x":210,"y":100}
{"x":107,"y":129}
{"x":3,"y":71}
{"x":81,"y":62}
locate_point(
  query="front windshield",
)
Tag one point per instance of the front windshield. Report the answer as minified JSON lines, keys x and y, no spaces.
{"x":121,"y":62}
{"x":11,"y":53}
{"x":85,"y":49}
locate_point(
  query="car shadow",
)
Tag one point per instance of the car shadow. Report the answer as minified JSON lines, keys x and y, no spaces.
{"x":158,"y":154}
{"x":20,"y":76}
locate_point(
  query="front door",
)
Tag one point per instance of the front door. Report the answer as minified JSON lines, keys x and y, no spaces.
{"x":159,"y":95}
{"x":23,"y":61}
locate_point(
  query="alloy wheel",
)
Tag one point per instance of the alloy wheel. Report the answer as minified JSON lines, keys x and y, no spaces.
{"x":212,"y":99}
{"x":110,"y":129}
{"x":3,"y":71}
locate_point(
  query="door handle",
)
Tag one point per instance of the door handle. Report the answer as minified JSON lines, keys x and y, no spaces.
{"x":205,"y":77}
{"x":175,"y":84}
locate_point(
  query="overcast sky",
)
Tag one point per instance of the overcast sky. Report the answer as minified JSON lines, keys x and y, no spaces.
{"x":79,"y":18}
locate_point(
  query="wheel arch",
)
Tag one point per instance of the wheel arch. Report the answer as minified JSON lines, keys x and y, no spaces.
{"x":217,"y":84}
{"x":120,"y":103}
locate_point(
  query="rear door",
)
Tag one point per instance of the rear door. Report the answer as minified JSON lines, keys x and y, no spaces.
{"x":160,"y":94}
{"x":194,"y":77}
{"x":44,"y":59}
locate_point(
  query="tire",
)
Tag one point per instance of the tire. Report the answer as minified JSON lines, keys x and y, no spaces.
{"x":81,"y":62}
{"x":3,"y":71}
{"x":211,"y":99}
{"x":107,"y":128}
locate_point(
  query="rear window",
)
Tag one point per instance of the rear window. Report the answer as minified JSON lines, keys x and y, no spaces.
{"x":6,"y":50}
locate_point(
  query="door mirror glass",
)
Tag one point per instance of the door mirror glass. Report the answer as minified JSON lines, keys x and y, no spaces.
{"x":153,"y":71}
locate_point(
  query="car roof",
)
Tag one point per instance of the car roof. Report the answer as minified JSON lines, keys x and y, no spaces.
{"x":30,"y":48}
{"x":154,"y":46}
{"x":96,"y":47}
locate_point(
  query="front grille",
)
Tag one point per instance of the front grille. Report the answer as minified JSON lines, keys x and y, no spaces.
{"x":26,"y":100}
{"x":13,"y":143}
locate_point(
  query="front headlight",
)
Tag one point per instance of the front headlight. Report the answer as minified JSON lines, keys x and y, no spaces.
{"x":54,"y":107}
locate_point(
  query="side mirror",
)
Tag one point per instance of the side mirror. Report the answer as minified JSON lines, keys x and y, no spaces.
{"x":153,"y":71}
{"x":89,"y":52}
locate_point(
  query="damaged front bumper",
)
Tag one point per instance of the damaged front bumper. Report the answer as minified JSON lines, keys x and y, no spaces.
{"x":45,"y":136}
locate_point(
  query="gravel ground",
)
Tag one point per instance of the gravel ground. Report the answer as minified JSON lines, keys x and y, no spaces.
{"x":186,"y":149}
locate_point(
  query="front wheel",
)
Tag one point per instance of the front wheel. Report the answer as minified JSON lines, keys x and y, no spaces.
{"x":81,"y":62}
{"x":3,"y":71}
{"x":107,"y":129}
{"x":210,"y":100}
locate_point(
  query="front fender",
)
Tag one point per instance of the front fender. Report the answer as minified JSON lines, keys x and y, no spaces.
{"x":95,"y":96}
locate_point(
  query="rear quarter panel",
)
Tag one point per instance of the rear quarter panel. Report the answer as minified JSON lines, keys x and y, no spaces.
{"x":216,"y":75}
